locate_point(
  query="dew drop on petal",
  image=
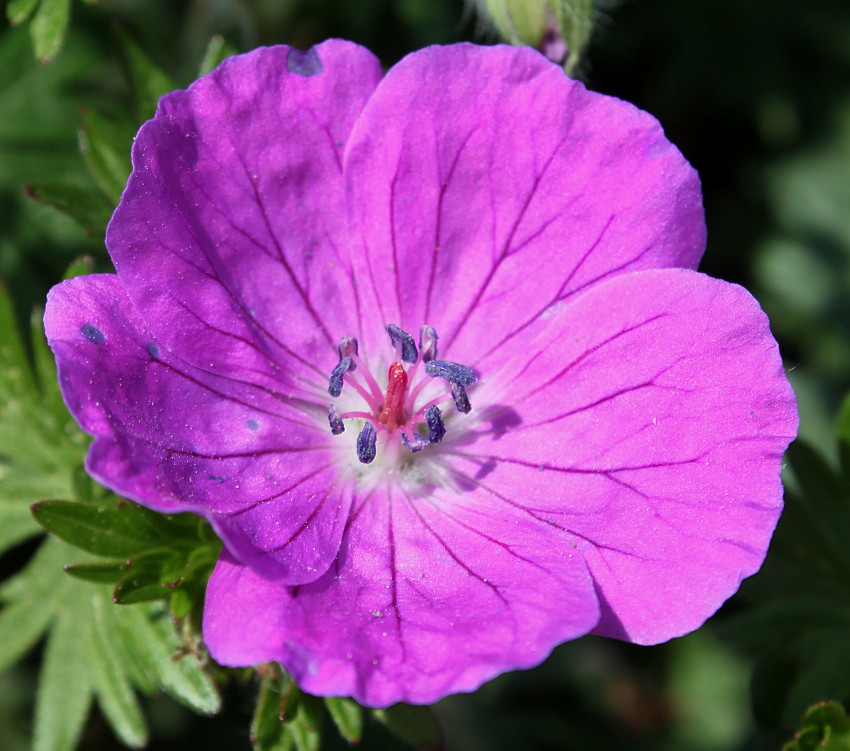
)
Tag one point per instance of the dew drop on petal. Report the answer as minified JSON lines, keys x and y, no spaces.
{"x":153,"y":350}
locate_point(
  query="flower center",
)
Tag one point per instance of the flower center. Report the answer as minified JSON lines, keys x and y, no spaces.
{"x":407,"y":411}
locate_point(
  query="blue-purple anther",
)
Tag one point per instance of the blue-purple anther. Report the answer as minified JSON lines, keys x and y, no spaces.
{"x":335,"y":419}
{"x":436,"y":426}
{"x":451,"y":371}
{"x":366,"y":443}
{"x":415,"y":444}
{"x":461,"y":398}
{"x":427,"y":344}
{"x":398,"y":336}
{"x":335,"y":384}
{"x":348,"y":348}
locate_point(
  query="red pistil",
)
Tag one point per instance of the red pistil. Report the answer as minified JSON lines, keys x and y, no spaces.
{"x":392,"y":413}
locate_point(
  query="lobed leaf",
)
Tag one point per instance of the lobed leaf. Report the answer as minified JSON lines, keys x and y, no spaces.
{"x":59,"y":712}
{"x":18,"y":11}
{"x":102,"y":530}
{"x":87,"y":207}
{"x":347,"y":715}
{"x":826,"y":727}
{"x":415,"y":725}
{"x":112,"y":685}
{"x":105,"y":146}
{"x":48,"y":28}
{"x":217,"y":51}
{"x":150,"y":82}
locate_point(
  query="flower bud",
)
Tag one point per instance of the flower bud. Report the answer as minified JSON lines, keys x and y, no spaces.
{"x":520,"y":22}
{"x":560,"y":29}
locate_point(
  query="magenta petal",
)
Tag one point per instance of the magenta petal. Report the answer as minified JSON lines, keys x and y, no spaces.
{"x":231,"y":236}
{"x":650,"y":421}
{"x":175,"y":438}
{"x":428,"y":597}
{"x":489,"y":187}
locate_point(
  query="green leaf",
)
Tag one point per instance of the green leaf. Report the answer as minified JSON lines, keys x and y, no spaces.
{"x":347,"y":715}
{"x":415,"y":725}
{"x":843,"y":430}
{"x":16,"y":379}
{"x":306,"y":725}
{"x":102,"y":530}
{"x":105,"y":146}
{"x":182,"y":602}
{"x":217,"y":51}
{"x":87,"y":207}
{"x":99,"y":573}
{"x":799,"y":608}
{"x":150,"y":82}
{"x":112,"y":685}
{"x":18,"y":11}
{"x":152,"y":645}
{"x":30,"y":603}
{"x":48,"y":28}
{"x":268,"y":733}
{"x":140,"y":585}
{"x":65,"y":684}
{"x":79,"y":267}
{"x":44,"y":367}
{"x":826,"y":727}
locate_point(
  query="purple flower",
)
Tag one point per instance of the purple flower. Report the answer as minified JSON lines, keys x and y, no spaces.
{"x":428,"y":351}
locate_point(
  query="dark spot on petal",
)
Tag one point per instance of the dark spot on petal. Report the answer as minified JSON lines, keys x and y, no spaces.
{"x":304,"y":63}
{"x":217,"y":478}
{"x":92,"y":333}
{"x":253,"y":424}
{"x":153,"y":350}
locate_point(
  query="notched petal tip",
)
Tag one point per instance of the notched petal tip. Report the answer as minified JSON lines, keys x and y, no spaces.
{"x":304,"y":63}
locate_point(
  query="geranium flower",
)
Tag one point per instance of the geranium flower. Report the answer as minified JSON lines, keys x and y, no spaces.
{"x":428,"y":351}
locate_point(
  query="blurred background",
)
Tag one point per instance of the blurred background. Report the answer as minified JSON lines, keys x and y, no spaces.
{"x":756,"y":94}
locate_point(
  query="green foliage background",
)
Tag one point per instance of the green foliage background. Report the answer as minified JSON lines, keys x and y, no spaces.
{"x":757,"y":96}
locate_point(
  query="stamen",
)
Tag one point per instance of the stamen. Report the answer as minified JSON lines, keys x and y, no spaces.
{"x":427,"y":343}
{"x":366,"y":444}
{"x":348,"y":348}
{"x":436,"y":426}
{"x":335,"y":419}
{"x":335,"y":384}
{"x":417,"y":444}
{"x":400,"y":338}
{"x":395,"y":409}
{"x":451,"y":371}
{"x":461,"y":399}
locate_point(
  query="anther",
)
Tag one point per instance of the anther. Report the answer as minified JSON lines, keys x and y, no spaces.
{"x":399,"y":337}
{"x":436,"y":426}
{"x":335,"y":383}
{"x":451,"y":371}
{"x":335,"y":419}
{"x":366,"y":444}
{"x":461,"y":399}
{"x":427,"y":343}
{"x":417,"y":444}
{"x":348,"y":348}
